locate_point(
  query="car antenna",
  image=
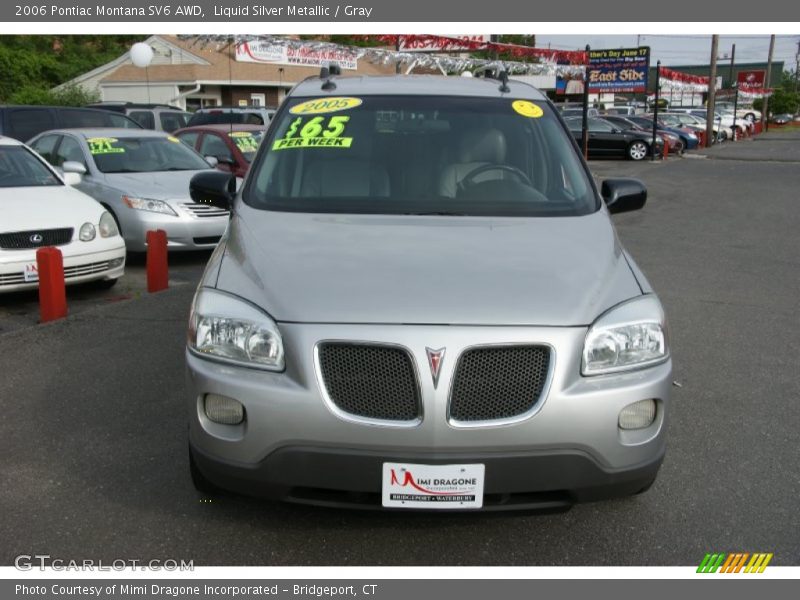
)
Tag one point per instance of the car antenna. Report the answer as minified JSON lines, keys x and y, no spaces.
{"x":327,"y":73}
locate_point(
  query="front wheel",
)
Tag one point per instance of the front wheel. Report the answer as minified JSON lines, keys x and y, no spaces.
{"x":637,"y":150}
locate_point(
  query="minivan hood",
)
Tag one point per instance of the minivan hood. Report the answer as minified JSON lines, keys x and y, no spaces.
{"x":337,"y":268}
{"x":159,"y":185}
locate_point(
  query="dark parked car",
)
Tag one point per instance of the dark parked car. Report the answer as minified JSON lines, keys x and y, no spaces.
{"x":782,"y":119}
{"x":676,"y":145}
{"x":606,"y":139}
{"x":23,"y":122}
{"x":688,"y":137}
{"x":234,"y":146}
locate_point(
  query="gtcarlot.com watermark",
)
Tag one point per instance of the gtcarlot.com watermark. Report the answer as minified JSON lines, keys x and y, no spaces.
{"x":30,"y":562}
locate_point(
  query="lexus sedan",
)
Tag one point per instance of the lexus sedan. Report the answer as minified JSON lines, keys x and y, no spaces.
{"x":39,"y":208}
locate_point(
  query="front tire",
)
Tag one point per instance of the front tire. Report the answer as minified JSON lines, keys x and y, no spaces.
{"x":638,"y":150}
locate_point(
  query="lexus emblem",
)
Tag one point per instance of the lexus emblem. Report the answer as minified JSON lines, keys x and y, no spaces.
{"x":435,"y":360}
{"x":36,"y":238}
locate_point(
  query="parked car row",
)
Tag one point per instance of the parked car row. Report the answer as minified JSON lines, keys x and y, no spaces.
{"x":94,"y":193}
{"x":628,"y":132}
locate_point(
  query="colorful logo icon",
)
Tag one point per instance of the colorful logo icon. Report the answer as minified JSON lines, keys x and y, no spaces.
{"x":735,"y":562}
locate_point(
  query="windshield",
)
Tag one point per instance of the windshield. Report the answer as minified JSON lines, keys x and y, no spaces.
{"x":20,"y":168}
{"x":143,"y":155}
{"x":421,"y":155}
{"x":247,"y":142}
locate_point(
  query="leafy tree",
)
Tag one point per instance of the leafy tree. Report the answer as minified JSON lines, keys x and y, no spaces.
{"x":71,"y":95}
{"x":33,"y":64}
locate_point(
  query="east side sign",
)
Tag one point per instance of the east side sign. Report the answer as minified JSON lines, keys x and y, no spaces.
{"x":622,"y":70}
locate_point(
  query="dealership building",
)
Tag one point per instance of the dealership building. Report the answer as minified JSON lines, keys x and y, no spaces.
{"x":191,"y":73}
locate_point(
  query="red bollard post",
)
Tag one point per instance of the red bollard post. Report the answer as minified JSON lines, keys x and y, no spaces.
{"x":666,"y":148}
{"x":701,"y":136}
{"x":157,"y":269}
{"x":52,"y":290}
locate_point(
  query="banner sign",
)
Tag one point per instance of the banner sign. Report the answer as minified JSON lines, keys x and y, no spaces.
{"x":431,"y":43}
{"x":750,"y":80}
{"x":276,"y":54}
{"x":622,"y":70}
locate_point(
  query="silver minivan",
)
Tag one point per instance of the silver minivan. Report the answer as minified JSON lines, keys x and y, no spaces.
{"x":421,"y":303}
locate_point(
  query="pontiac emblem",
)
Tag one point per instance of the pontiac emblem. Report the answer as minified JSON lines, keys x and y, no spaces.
{"x":36,"y":238}
{"x":435,"y":360}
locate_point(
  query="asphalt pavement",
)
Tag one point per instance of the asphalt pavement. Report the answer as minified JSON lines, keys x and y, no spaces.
{"x":93,"y":430}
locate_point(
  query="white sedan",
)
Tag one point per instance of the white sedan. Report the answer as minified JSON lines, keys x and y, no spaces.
{"x":39,"y":208}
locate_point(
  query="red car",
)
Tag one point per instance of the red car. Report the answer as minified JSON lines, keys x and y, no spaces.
{"x":233,"y":145}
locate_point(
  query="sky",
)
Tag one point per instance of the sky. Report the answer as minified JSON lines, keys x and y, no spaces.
{"x":684,"y":49}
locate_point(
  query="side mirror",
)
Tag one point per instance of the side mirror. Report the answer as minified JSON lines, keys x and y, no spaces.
{"x":212,"y":161}
{"x":226,"y":160}
{"x":623,"y":195}
{"x":73,"y":166}
{"x":72,"y":179}
{"x":213,"y":187}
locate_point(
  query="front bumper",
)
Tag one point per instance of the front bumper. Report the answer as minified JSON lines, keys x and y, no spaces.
{"x":184,"y":232}
{"x":83,"y":262}
{"x":293,"y":446}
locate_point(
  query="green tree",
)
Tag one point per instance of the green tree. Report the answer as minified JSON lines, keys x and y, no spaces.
{"x":40,"y":62}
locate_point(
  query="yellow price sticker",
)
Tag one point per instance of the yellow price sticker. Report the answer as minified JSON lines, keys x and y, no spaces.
{"x":324,"y":105}
{"x":526,"y":108}
{"x":104,"y":145}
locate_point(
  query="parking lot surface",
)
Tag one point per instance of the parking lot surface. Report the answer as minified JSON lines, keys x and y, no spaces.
{"x":93,"y":433}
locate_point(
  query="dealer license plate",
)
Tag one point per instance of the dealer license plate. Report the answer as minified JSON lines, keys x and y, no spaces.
{"x":31,"y":273}
{"x":433,"y":486}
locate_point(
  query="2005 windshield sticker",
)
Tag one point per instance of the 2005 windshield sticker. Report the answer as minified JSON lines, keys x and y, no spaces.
{"x":244,"y":140}
{"x":315,"y":132}
{"x":526,"y":108}
{"x":104,"y":146}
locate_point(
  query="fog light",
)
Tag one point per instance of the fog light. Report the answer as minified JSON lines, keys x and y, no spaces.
{"x":638,"y":415}
{"x":222,"y":409}
{"x":117,"y":262}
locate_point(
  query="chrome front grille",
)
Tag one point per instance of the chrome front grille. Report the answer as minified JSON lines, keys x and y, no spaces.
{"x":370,"y":381}
{"x":35,"y":238}
{"x":204,"y":211}
{"x":80,"y":270}
{"x":496,"y":383}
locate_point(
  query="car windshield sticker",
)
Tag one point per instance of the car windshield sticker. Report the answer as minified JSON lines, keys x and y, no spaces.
{"x":244,"y":140}
{"x":316,"y":132}
{"x":104,"y":146}
{"x":527,"y":109}
{"x":324,"y":105}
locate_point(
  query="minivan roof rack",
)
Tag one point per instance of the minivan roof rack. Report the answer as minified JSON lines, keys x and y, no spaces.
{"x":327,"y":72}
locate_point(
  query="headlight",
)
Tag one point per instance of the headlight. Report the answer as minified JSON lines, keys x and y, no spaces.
{"x":226,"y":328}
{"x":630,"y":336}
{"x":149,"y":205}
{"x":108,"y":226}
{"x":87,"y":232}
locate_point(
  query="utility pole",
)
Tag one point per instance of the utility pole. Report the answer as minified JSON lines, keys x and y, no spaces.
{"x":712,"y":85}
{"x":796,"y":67}
{"x":767,"y":83}
{"x":731,"y":80}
